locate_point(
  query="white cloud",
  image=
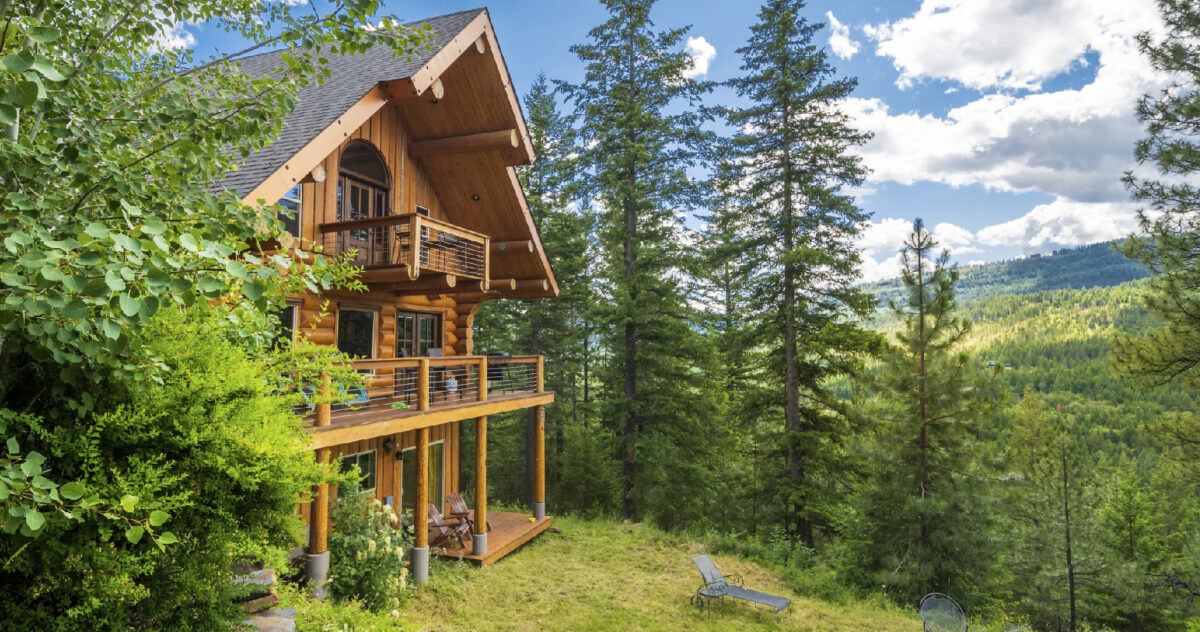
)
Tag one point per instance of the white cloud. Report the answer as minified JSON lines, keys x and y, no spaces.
{"x":952,"y":235}
{"x":174,"y":38}
{"x":1063,"y":223}
{"x":702,"y":54}
{"x":839,"y":38}
{"x":1072,"y":144}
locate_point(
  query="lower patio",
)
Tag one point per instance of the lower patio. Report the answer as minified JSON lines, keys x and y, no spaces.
{"x":509,"y":531}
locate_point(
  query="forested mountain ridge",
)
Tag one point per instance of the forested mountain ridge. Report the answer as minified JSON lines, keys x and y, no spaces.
{"x":1094,"y":265}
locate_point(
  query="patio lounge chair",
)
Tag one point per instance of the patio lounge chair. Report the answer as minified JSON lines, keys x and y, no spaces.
{"x":459,"y":509}
{"x":447,"y":528}
{"x":940,"y":613}
{"x":718,"y":586}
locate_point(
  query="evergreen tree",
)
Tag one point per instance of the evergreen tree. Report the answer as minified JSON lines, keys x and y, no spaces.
{"x":925,"y":516}
{"x":1050,"y":507}
{"x":1170,"y":224}
{"x":793,"y":152}
{"x":555,"y":328}
{"x":640,"y":127}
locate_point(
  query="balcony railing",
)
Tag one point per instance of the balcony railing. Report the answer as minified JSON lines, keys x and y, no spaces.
{"x":421,"y":384}
{"x":420,"y":243}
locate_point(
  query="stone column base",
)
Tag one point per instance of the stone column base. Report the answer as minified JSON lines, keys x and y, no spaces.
{"x":420,"y":564}
{"x":318,"y":574}
{"x":539,"y":510}
{"x":479,"y":544}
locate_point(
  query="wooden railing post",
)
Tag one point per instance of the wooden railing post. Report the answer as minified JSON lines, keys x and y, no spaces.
{"x":421,"y":509}
{"x":539,"y":464}
{"x":540,"y":372}
{"x":414,"y":254}
{"x":483,"y":380}
{"x":487,"y":263}
{"x":423,"y":384}
{"x":318,"y":527}
{"x":479,"y":539}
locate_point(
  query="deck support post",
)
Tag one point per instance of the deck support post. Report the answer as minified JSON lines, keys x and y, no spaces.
{"x":479,"y":538}
{"x":539,"y":464}
{"x":420,"y":551}
{"x":317,"y":567}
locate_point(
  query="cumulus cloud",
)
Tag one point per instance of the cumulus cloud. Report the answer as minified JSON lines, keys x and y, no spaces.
{"x":1063,"y":222}
{"x":1072,"y":143}
{"x":880,"y":243}
{"x":839,"y":38}
{"x":952,"y":235}
{"x":174,"y":38}
{"x":702,"y":54}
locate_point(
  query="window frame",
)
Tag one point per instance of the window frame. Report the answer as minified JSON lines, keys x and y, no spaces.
{"x":438,"y":334}
{"x":295,"y":305}
{"x":298,"y":200}
{"x":404,"y":459}
{"x":373,"y":476}
{"x":374,"y":310}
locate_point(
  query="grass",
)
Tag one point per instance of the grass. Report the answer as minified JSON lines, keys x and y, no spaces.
{"x":602,"y":575}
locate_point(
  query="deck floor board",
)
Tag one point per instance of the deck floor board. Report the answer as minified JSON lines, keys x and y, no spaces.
{"x":509,"y":531}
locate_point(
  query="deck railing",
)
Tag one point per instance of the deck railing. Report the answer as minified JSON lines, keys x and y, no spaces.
{"x":420,"y":243}
{"x":421,"y":384}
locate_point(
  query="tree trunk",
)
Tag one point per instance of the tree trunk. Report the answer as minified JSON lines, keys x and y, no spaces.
{"x":1067,"y":532}
{"x":629,"y":469}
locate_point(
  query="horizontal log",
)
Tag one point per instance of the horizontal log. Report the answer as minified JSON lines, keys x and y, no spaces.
{"x":512,"y":247}
{"x":484,"y":141}
{"x":424,"y":284}
{"x":366,"y":222}
{"x":521,"y":284}
{"x":481,"y":45}
{"x":320,"y":336}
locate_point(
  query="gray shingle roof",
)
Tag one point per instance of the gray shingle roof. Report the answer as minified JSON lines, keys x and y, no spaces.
{"x":318,"y":106}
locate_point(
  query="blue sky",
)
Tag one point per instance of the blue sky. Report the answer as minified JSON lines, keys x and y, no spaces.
{"x":1005,"y":124}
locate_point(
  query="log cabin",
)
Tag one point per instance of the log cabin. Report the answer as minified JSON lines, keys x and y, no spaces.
{"x":408,"y":165}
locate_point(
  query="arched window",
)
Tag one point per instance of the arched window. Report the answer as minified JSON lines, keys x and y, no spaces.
{"x":363,"y":188}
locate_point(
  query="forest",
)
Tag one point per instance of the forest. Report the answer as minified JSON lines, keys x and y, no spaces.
{"x":735,"y":379}
{"x":1020,"y":435}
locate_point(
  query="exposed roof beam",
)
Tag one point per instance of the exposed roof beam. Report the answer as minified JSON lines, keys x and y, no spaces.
{"x":512,"y":247}
{"x":486,"y":141}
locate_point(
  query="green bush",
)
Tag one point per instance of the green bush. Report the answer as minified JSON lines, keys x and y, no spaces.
{"x":207,"y":443}
{"x":366,"y":552}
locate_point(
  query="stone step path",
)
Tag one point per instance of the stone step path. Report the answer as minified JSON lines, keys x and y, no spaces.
{"x":278,"y":620}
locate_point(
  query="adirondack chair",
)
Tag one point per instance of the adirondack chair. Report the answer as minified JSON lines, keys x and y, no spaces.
{"x":459,"y":509}
{"x":718,"y":586}
{"x":940,"y":613}
{"x":447,"y":528}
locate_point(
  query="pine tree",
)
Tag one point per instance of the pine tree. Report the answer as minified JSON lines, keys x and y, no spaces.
{"x":794,"y":157}
{"x":556,"y":327}
{"x":925,"y":517}
{"x":1170,"y":224}
{"x":1050,"y":506}
{"x":640,"y":127}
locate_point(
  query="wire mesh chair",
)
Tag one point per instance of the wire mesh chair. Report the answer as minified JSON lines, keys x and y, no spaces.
{"x":940,"y":613}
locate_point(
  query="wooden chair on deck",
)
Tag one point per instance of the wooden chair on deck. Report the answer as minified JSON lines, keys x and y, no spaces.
{"x":447,"y":528}
{"x":460,"y":510}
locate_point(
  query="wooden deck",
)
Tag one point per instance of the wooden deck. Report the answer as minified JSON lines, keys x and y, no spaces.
{"x":509,"y":532}
{"x":369,"y":422}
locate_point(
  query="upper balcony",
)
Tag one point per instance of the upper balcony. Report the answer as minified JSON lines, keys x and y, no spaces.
{"x":401,"y":248}
{"x":402,"y":394}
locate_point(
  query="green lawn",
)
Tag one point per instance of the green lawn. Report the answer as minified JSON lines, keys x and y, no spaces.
{"x":601,"y":575}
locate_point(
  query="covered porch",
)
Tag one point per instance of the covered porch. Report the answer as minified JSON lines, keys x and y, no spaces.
{"x":509,"y":531}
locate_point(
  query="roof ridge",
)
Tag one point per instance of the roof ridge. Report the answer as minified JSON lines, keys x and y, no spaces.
{"x":276,"y":51}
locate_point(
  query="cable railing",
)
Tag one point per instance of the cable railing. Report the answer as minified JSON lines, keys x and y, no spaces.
{"x":420,"y":243}
{"x":422,"y":384}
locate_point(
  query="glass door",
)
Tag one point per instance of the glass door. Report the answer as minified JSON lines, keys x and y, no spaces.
{"x":437,"y":479}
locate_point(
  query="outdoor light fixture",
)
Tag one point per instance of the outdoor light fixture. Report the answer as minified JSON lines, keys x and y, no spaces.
{"x":475,"y":197}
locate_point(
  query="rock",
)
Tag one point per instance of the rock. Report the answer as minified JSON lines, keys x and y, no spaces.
{"x":280,"y":620}
{"x":265,"y":577}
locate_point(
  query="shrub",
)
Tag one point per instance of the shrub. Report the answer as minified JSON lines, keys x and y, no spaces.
{"x":207,"y":443}
{"x":366,"y":551}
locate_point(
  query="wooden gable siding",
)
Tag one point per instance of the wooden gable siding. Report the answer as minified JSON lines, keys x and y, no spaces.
{"x":410,"y":187}
{"x":388,"y":468}
{"x":410,"y":184}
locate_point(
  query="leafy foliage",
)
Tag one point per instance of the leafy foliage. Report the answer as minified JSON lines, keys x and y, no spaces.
{"x":366,"y":551}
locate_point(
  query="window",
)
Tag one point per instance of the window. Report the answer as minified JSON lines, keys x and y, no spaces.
{"x":362,"y":192}
{"x":416,"y":333}
{"x":288,"y":319}
{"x":291,"y":201}
{"x":356,"y":332}
{"x":366,"y":466}
{"x":437,"y":479}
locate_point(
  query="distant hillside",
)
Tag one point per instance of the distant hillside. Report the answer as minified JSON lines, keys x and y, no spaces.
{"x":1097,"y":265}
